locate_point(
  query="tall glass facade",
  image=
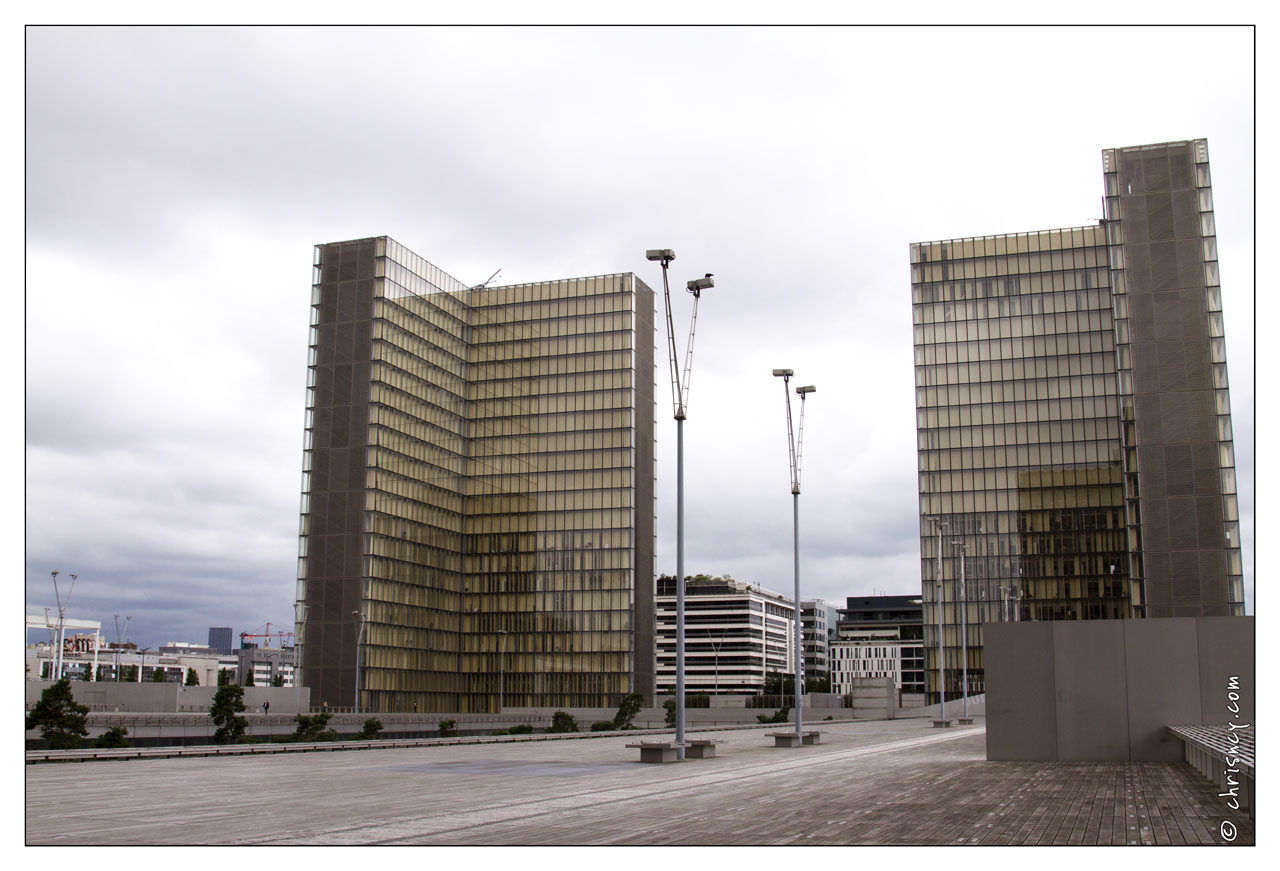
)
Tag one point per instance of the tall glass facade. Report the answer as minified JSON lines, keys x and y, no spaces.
{"x":477,"y":515}
{"x":1074,"y":433}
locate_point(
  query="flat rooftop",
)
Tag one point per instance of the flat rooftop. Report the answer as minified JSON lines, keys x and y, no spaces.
{"x":896,"y":782}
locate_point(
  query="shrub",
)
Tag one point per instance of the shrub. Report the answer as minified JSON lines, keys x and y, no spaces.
{"x":113,"y":737}
{"x":522,"y":729}
{"x":627,"y":711}
{"x":562,"y":721}
{"x":312,"y":728}
{"x":670,"y":705}
{"x":602,"y":726}
{"x":371,"y":728}
{"x":59,"y":718}
{"x":448,"y":728}
{"x":781,"y":716}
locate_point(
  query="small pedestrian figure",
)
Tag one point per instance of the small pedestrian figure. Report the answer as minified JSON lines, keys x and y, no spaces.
{"x":415,"y":707}
{"x":324,"y":707}
{"x":266,"y":707}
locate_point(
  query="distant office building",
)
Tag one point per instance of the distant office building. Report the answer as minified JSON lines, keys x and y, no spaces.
{"x":265,"y":664}
{"x":478,"y":488}
{"x":814,"y":619}
{"x":1073,"y":414}
{"x":736,"y":634}
{"x":221,"y":640}
{"x":879,"y":636}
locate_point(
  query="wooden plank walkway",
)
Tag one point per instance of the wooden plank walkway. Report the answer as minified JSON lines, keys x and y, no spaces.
{"x":890,"y":783}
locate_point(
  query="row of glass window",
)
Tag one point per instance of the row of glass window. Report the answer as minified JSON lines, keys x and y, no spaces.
{"x":1005,"y":402}
{"x":1019,"y":500}
{"x":584,"y":440}
{"x":1057,"y":263}
{"x":1011,"y":243}
{"x":542,"y":330}
{"x":1059,"y":411}
{"x":1014,"y":479}
{"x":949,"y":349}
{"x":1007,"y":377}
{"x":1107,"y":453}
{"x":564,"y":307}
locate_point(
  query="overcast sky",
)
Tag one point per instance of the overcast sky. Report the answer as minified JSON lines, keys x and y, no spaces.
{"x":177,"y":180}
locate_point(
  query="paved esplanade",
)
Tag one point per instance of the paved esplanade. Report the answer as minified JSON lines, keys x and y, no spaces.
{"x":891,"y":782}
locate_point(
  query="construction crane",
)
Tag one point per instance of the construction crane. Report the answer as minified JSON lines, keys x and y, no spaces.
{"x":268,"y":634}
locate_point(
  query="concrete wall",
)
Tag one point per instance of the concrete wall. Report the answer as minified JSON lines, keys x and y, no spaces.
{"x":1105,"y":690}
{"x":166,"y":698}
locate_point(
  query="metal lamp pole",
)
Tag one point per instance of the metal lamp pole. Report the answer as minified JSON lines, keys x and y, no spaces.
{"x":964,"y":625}
{"x":502,"y":663}
{"x":680,"y":401}
{"x":942,"y":667}
{"x":361,"y":619}
{"x":300,"y":617}
{"x":796,"y":448}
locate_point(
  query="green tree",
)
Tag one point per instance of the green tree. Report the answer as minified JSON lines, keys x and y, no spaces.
{"x":277,"y":680}
{"x":228,"y":702}
{"x":563,"y":721}
{"x":59,"y":718}
{"x":314,"y":728}
{"x":817,"y":685}
{"x":157,"y":675}
{"x":193,"y":679}
{"x":448,"y":728}
{"x":224,"y":677}
{"x":248,"y":677}
{"x":129,"y":673}
{"x":670,"y":705}
{"x":371,"y":728}
{"x":627,"y":711}
{"x":113,"y":737}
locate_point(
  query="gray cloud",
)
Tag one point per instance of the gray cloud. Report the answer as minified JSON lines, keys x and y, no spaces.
{"x":177,"y":179}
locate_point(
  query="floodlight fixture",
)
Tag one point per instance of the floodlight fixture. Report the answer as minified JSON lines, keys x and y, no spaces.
{"x":783,"y":373}
{"x":697,"y":285}
{"x":666,"y":255}
{"x":801,"y":391}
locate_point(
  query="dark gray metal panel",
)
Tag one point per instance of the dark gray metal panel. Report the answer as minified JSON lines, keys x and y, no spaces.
{"x":1020,"y":697}
{"x":1162,"y":667}
{"x":1090,"y":690}
{"x":1226,"y":648}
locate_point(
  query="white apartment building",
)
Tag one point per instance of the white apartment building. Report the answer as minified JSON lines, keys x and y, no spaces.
{"x":736,"y":633}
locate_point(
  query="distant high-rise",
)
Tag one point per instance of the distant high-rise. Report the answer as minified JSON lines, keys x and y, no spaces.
{"x":220,"y":639}
{"x":1073,"y":417}
{"x":478,"y":488}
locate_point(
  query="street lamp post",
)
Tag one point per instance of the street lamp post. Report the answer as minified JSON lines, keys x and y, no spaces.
{"x":360,"y":620}
{"x":964,"y":621}
{"x":502,"y":666}
{"x":680,"y":401}
{"x":62,"y":616}
{"x":300,"y":618}
{"x":942,"y":666}
{"x":795,"y":448}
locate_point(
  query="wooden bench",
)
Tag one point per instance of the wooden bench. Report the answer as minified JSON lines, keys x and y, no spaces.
{"x":1223,"y":755}
{"x":701,"y":748}
{"x":791,"y":739}
{"x":658,"y":751}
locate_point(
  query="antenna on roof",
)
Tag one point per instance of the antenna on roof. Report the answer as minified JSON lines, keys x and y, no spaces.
{"x":487,"y":281}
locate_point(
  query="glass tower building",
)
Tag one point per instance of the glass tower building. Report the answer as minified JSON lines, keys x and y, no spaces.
{"x":477,"y":519}
{"x":1073,"y":417}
